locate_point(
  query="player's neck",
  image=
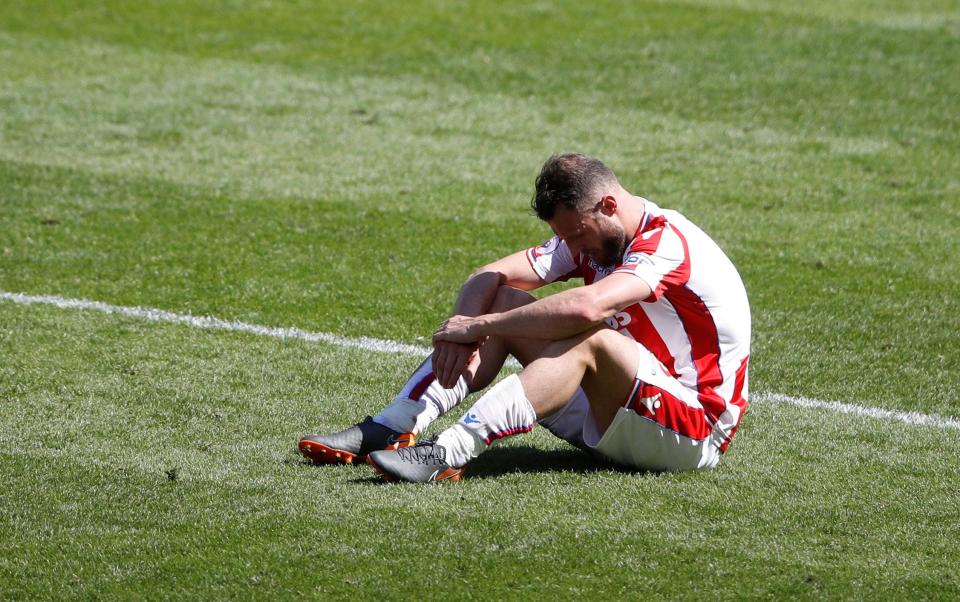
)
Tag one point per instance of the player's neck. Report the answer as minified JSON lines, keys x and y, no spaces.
{"x":631,"y":210}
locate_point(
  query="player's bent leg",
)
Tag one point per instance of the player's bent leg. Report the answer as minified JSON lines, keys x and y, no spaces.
{"x":503,"y":411}
{"x":495,"y":350}
{"x":658,"y":425}
{"x":422,"y":399}
{"x":661,"y":426}
{"x":601,"y":362}
{"x":515,"y":404}
{"x":638,"y":416}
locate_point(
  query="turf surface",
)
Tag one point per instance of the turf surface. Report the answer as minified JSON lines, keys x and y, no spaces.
{"x":343,"y":169}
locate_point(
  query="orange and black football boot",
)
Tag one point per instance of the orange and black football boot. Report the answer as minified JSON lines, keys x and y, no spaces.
{"x":353,"y":444}
{"x":425,"y":462}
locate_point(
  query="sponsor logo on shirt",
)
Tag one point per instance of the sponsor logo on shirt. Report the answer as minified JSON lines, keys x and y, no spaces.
{"x":600,"y":270}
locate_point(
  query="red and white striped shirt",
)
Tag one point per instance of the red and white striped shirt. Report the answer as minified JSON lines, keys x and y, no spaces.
{"x":697,"y":319}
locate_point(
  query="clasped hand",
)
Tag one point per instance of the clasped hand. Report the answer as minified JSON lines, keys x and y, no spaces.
{"x":454,"y":347}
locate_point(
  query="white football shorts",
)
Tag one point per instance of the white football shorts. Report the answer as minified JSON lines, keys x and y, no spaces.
{"x":660,"y":427}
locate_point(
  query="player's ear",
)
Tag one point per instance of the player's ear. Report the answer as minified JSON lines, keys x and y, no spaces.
{"x":608,"y":205}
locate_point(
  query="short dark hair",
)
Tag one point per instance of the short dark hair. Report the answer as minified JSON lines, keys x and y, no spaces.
{"x":570,"y":180}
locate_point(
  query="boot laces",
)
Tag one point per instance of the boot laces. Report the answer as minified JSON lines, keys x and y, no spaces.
{"x":425,"y":451}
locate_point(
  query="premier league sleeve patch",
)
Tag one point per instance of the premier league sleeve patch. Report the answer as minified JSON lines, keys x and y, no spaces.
{"x":546,"y":248}
{"x":551,"y":260}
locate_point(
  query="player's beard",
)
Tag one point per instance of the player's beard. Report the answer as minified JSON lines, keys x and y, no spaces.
{"x":614,"y":244}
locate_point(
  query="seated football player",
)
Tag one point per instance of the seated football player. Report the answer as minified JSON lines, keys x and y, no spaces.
{"x":644,"y":365}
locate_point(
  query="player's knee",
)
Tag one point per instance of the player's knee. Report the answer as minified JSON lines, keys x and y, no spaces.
{"x":605,"y":341}
{"x":585,"y":346}
{"x":509,"y":298}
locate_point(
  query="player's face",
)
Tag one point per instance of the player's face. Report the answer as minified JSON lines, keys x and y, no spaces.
{"x":591,"y":232}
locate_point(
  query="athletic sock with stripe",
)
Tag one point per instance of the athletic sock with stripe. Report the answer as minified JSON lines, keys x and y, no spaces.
{"x":503,"y":411}
{"x":421,"y":401}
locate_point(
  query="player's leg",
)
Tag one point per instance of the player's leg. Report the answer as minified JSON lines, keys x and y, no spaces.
{"x":638,"y":414}
{"x":422,"y":399}
{"x":495,"y":350}
{"x":601,"y":361}
{"x":662,"y":425}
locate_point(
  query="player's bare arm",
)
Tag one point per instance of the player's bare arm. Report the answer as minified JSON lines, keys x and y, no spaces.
{"x":452,"y":358}
{"x":480,"y":289}
{"x":556,"y":317}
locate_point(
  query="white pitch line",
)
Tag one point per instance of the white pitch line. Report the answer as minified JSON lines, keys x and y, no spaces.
{"x":384,"y":346}
{"x":209,"y":323}
{"x":931,"y":420}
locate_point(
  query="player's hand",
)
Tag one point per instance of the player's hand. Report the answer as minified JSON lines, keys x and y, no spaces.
{"x":450,"y":360}
{"x":457,"y":329}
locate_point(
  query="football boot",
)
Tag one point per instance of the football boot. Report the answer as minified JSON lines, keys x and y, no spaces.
{"x":425,"y":462}
{"x":353,"y":444}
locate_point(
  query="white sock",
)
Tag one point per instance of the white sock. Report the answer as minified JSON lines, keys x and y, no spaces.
{"x":503,"y":411}
{"x":421,"y":401}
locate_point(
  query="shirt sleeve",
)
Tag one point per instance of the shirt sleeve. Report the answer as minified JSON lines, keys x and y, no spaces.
{"x":552,"y":261}
{"x":659,"y":258}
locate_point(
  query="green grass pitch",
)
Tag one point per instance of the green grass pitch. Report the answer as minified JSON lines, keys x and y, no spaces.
{"x":341,"y":167}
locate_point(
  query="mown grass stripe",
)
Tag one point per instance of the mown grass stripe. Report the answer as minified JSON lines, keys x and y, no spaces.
{"x":385,"y":346}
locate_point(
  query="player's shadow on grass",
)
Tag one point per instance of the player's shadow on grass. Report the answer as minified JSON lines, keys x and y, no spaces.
{"x":523,"y":459}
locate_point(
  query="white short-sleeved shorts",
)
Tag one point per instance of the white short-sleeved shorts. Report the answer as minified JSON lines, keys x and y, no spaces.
{"x":644,"y":439}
